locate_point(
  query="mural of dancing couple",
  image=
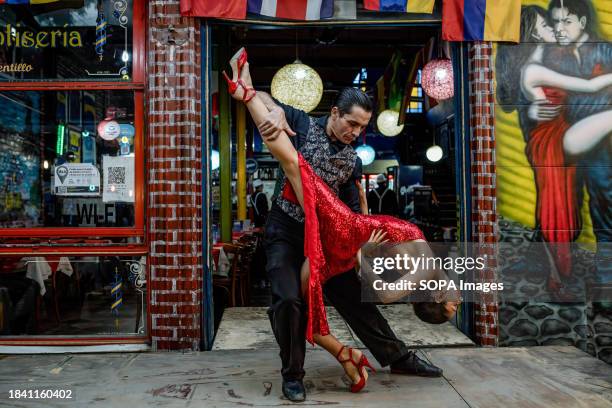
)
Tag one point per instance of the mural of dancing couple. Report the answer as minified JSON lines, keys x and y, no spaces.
{"x":553,"y":127}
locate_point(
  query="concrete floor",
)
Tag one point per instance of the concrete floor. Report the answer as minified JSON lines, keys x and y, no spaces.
{"x":248,"y":328}
{"x":474,"y":377}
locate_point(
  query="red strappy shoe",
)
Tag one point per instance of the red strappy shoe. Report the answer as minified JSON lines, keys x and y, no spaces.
{"x":241,"y":58}
{"x":360,"y":365}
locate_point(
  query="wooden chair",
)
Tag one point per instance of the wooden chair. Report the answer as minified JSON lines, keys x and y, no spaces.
{"x":230,"y":282}
{"x":249,"y":243}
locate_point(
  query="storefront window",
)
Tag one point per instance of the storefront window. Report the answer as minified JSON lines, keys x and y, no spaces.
{"x":67,"y":159}
{"x":66,"y":40}
{"x":66,"y":295}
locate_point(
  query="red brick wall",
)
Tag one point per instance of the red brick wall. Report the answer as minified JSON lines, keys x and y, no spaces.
{"x":174,"y":176}
{"x":484,"y":219}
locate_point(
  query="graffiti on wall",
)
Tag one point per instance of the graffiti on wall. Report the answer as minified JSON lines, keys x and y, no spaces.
{"x":554,"y":167}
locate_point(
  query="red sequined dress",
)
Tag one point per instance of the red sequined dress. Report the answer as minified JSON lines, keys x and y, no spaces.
{"x":557,"y":209}
{"x":332,"y":236}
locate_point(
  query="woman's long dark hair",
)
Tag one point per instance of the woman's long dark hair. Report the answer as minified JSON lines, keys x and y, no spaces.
{"x":511,"y":59}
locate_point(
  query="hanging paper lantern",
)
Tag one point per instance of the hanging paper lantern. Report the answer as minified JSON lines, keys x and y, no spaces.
{"x":366,"y":153}
{"x":214,"y":160}
{"x":437,"y":79}
{"x":434,"y":153}
{"x":298,"y":85}
{"x":387,"y":123}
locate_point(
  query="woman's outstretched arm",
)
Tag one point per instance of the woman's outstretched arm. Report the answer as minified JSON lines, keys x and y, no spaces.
{"x":281,"y":148}
{"x":535,"y":76}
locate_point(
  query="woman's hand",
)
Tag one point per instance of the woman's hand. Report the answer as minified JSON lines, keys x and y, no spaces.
{"x":377,"y":237}
{"x":542,"y":110}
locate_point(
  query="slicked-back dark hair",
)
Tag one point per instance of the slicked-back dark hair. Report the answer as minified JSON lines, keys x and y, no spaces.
{"x":430,"y":312}
{"x":581,"y":8}
{"x":349,"y":97}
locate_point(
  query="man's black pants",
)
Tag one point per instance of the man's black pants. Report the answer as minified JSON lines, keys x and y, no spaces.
{"x":284,"y":245}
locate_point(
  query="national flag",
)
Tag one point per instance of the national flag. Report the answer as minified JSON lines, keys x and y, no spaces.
{"x":400,"y":6}
{"x":421,"y":58}
{"x":234,"y":9}
{"x":292,"y":9}
{"x":481,"y":20}
{"x":389,"y":85}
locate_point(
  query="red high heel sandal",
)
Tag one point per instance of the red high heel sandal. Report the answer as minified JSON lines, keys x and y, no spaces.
{"x":241,"y":58}
{"x":360,"y":365}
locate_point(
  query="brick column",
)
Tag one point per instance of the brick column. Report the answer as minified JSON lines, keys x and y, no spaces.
{"x":174,"y":163}
{"x":484,"y":217}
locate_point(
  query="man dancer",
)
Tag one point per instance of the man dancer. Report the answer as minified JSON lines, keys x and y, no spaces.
{"x":325,"y":144}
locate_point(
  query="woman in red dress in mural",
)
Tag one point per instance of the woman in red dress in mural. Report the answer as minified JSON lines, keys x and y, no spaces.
{"x":334,"y":235}
{"x":558,"y":206}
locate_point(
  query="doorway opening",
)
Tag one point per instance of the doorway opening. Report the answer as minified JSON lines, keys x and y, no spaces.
{"x":424,"y":183}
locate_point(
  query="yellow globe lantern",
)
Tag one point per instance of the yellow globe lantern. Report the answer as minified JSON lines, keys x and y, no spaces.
{"x":387,"y":123}
{"x":298,"y":85}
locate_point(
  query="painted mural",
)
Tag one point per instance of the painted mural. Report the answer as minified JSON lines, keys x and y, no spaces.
{"x":554,"y":169}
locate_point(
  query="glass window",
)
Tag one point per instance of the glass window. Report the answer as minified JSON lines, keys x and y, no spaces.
{"x":66,"y":40}
{"x":67,"y":159}
{"x":66,"y":295}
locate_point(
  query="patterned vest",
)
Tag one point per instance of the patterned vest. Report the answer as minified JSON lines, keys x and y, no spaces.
{"x":334,"y":168}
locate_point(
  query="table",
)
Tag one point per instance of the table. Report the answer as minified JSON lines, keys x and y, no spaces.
{"x":38,"y":268}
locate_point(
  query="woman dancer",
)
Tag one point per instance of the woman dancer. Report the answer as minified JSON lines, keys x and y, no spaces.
{"x":333,"y":233}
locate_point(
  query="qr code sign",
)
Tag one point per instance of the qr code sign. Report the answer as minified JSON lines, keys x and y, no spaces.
{"x":116,"y":175}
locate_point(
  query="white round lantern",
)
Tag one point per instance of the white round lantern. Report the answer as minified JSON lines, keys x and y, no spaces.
{"x":434,"y":153}
{"x":214,"y":160}
{"x":437,"y":79}
{"x":387,"y":123}
{"x":298,"y":85}
{"x":366,"y":153}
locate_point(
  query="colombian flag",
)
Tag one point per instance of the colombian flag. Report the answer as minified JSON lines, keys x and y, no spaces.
{"x":400,"y":6}
{"x":481,"y":20}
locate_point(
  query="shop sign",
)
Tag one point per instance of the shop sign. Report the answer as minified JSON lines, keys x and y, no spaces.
{"x":88,"y":39}
{"x":109,"y":129}
{"x":118,"y":178}
{"x":89,"y":212}
{"x":126,"y":130}
{"x":82,"y":179}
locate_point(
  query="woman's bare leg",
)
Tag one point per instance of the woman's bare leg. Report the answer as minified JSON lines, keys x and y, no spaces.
{"x":333,"y":346}
{"x":304,"y":277}
{"x":281,"y":147}
{"x":329,"y":342}
{"x":585,"y":134}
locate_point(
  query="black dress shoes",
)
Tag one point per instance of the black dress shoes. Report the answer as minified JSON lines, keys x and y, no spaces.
{"x":412,"y":364}
{"x":294,"y":390}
